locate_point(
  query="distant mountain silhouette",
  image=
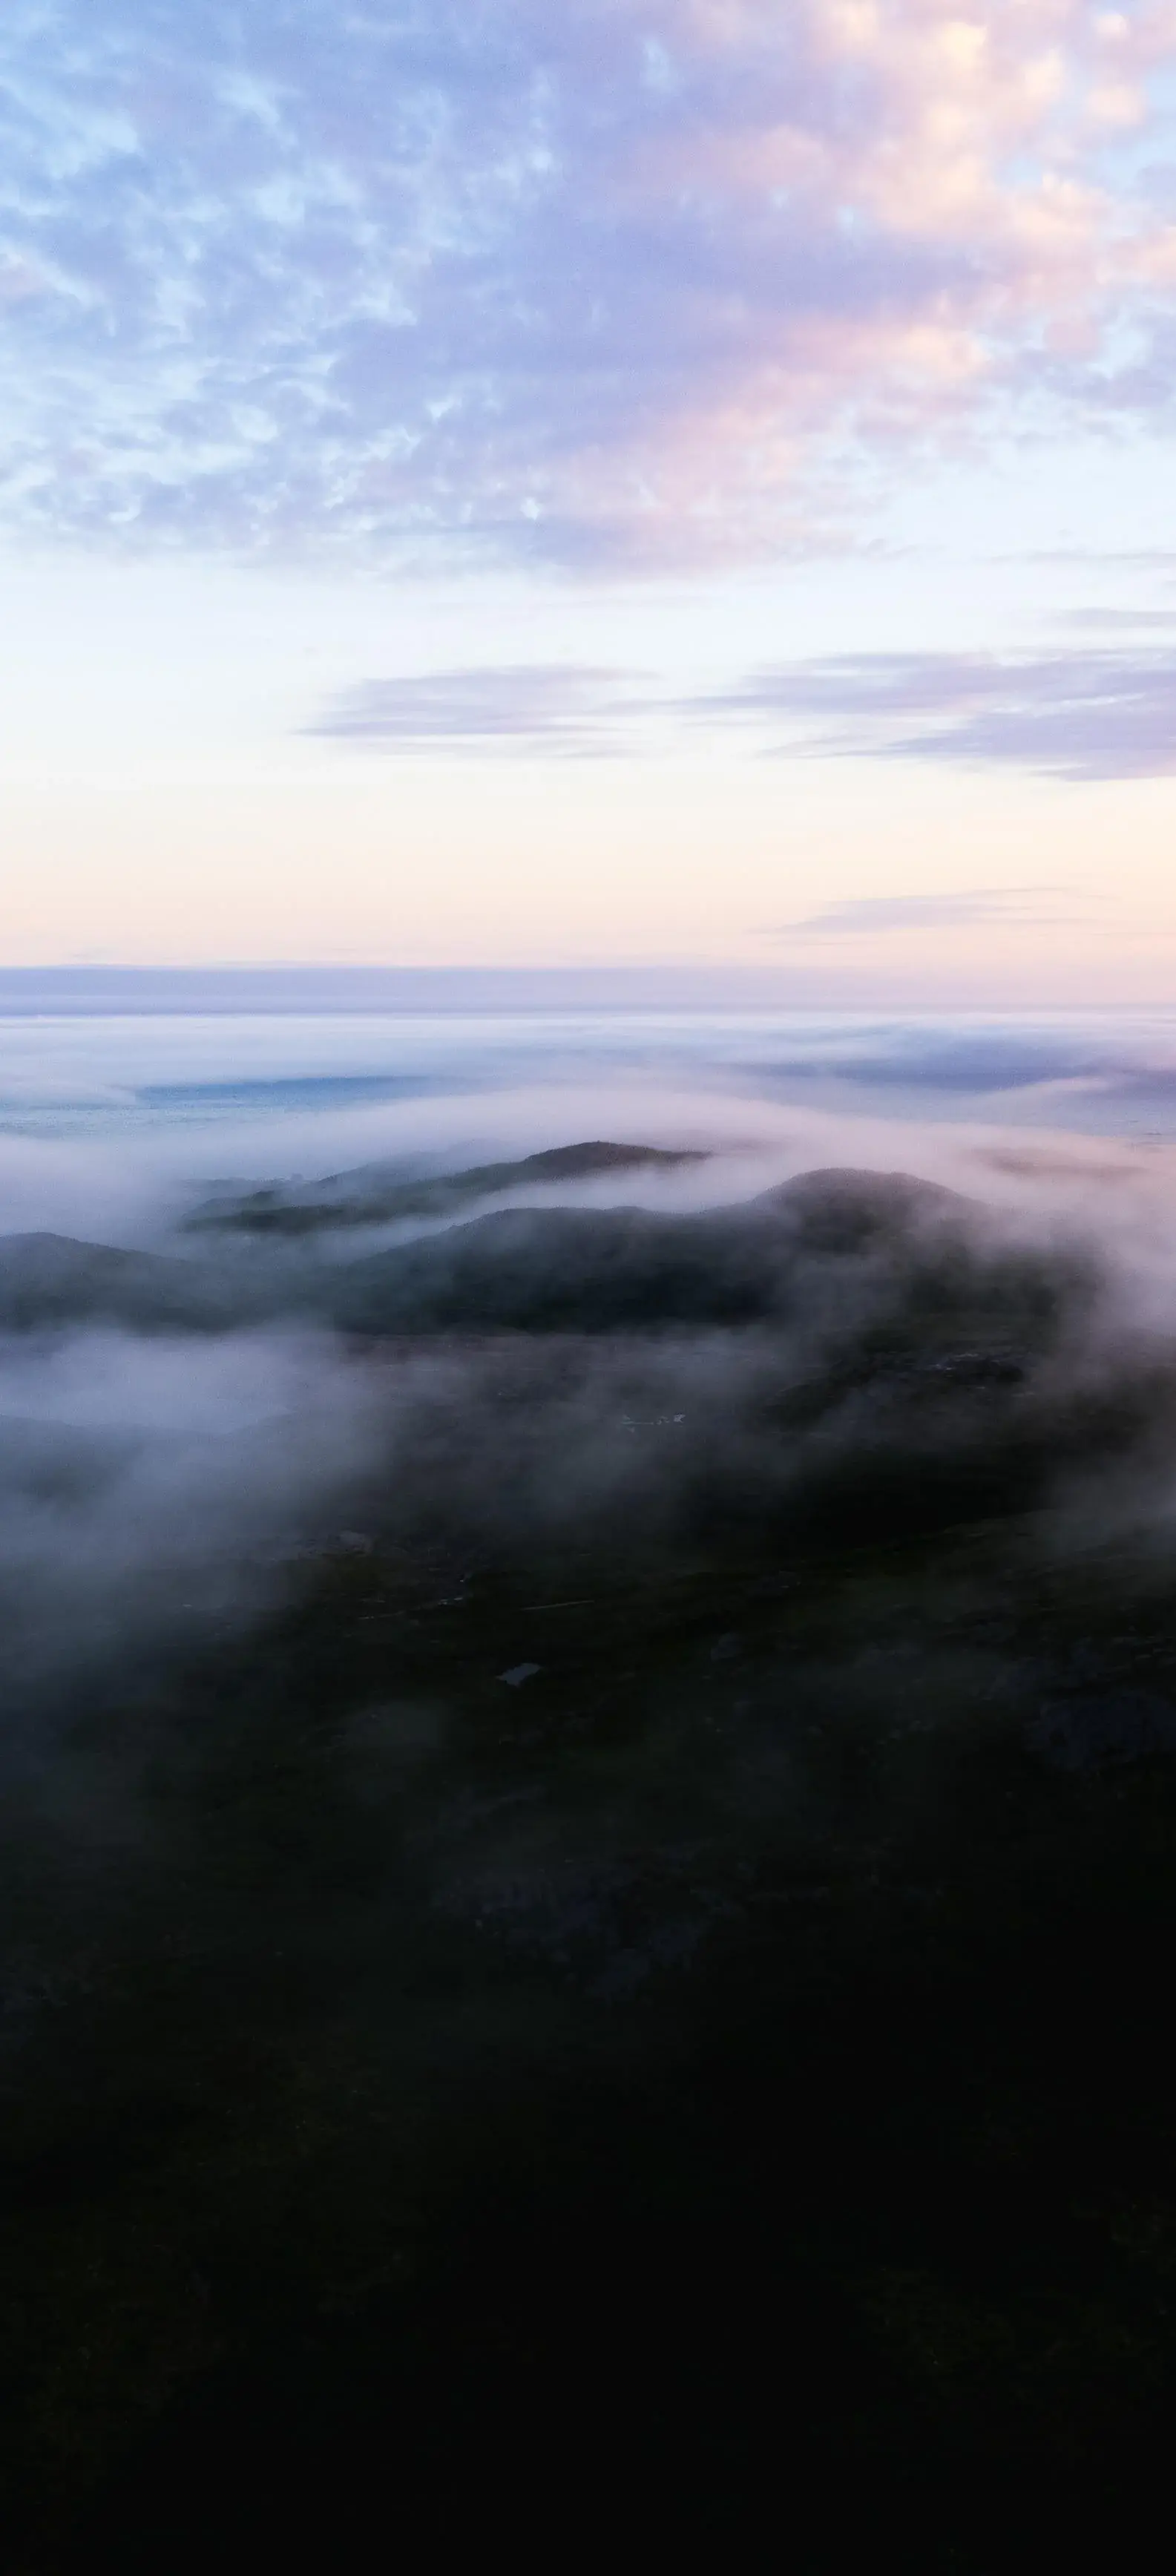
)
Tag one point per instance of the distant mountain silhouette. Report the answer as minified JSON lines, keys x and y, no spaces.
{"x":795,"y":1249}
{"x":375,"y":1195}
{"x":52,"y":1279}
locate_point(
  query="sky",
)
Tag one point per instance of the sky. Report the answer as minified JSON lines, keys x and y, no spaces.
{"x":682,"y":487}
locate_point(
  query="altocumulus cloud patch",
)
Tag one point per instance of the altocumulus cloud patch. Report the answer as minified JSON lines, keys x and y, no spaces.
{"x":596,"y":283}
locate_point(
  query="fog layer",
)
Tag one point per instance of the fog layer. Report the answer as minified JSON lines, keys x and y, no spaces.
{"x":843,"y":1353}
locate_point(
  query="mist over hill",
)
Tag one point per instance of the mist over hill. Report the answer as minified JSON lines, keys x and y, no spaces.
{"x":592,"y":1759}
{"x":376,"y":1195}
{"x":528,"y":1268}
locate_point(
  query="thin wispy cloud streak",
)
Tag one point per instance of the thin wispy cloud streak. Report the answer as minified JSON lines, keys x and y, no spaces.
{"x":551,"y":707}
{"x":1112,"y":621}
{"x":1084,"y":715}
{"x":870,"y":913}
{"x":1081,"y":716}
{"x":597,"y":285}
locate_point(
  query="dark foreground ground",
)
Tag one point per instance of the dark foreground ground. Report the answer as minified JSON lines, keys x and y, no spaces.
{"x":604,"y":2048}
{"x":724,"y":2082}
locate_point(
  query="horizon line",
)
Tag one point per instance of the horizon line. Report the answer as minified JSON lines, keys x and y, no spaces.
{"x":281,"y":987}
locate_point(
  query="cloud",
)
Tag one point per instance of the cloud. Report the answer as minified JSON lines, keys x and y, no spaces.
{"x":1158,"y":559}
{"x":1112,"y":621}
{"x":869,"y":913}
{"x":598,"y":284}
{"x":1087,"y":714}
{"x":1083,"y":715}
{"x":555,"y":707}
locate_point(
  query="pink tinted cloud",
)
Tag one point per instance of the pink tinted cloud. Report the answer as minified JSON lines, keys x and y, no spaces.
{"x":607,"y":282}
{"x":962,"y":153}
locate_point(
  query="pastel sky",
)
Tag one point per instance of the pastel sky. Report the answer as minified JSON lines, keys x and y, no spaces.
{"x":660,"y":482}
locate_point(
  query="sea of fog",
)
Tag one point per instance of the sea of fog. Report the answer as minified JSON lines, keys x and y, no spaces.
{"x":185,"y":1385}
{"x":104,"y":1119}
{"x":140,"y":1133}
{"x":576,"y":1735}
{"x":121,"y":1079}
{"x":586,"y":1720}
